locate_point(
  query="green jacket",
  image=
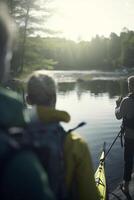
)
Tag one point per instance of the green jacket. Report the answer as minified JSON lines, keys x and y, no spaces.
{"x":23,"y":177}
{"x":11,"y":109}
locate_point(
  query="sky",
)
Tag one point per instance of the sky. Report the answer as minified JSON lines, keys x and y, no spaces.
{"x":83,"y":19}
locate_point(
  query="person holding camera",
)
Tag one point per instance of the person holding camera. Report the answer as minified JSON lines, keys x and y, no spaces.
{"x":125,"y":110}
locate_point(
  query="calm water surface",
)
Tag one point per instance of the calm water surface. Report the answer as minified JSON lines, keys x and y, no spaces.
{"x":94,"y":102}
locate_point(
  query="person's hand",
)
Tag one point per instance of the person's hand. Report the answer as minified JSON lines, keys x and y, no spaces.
{"x":118,"y":101}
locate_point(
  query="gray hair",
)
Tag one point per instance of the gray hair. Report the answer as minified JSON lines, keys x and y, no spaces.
{"x":131,"y":84}
{"x":41,"y":89}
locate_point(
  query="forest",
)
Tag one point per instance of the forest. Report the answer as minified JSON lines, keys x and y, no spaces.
{"x":38,"y":47}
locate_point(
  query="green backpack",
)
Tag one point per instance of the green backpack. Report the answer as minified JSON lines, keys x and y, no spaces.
{"x":21,"y":173}
{"x":22,"y":176}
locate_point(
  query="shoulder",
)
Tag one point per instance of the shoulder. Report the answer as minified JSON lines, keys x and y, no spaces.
{"x":126,"y":100}
{"x":75,"y":138}
{"x":7,"y":93}
{"x":76,"y":143}
{"x":10,"y":98}
{"x":11,"y":108}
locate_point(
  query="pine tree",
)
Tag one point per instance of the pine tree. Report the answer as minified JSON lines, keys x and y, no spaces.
{"x":30,"y":16}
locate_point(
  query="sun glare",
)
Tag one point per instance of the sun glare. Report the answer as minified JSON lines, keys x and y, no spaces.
{"x":83,"y":19}
{"x":74,"y":19}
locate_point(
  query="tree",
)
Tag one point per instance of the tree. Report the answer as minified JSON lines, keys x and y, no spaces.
{"x":127,"y":51}
{"x":30,"y":17}
{"x":114,"y":49}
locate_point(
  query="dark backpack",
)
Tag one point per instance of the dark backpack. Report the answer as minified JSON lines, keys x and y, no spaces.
{"x":47,"y":143}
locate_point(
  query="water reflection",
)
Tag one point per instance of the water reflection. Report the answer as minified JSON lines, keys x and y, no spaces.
{"x":96,"y":87}
{"x":66,"y":87}
{"x":94,"y":102}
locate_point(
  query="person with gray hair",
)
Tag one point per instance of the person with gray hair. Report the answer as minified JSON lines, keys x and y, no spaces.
{"x":125,"y":110}
{"x":41,"y":89}
{"x":79,"y":173}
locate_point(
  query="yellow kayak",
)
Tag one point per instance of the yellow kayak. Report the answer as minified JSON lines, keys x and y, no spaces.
{"x":100,"y":177}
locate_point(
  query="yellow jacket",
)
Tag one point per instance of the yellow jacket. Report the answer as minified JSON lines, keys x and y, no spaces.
{"x":79,"y":169}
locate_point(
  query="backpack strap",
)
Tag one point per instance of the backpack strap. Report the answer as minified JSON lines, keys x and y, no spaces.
{"x":47,"y":142}
{"x":122,"y":131}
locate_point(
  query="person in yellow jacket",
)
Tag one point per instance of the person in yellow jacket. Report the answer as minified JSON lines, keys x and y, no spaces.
{"x":41,"y":94}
